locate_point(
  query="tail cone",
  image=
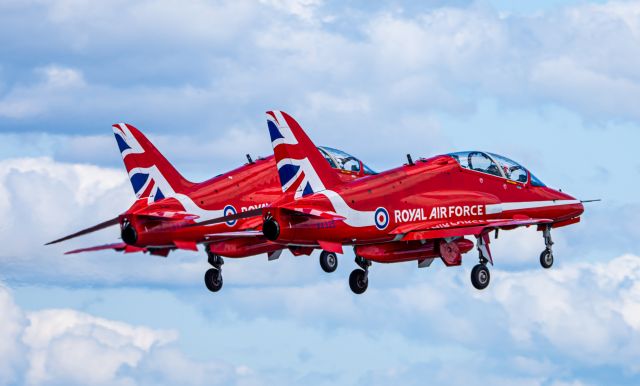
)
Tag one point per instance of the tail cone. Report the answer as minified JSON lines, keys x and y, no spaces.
{"x":129,"y":235}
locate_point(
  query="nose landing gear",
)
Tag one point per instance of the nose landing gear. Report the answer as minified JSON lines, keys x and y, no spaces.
{"x":480,"y":275}
{"x":546,"y":257}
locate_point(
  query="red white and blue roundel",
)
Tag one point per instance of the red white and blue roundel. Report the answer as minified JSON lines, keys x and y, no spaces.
{"x":381,"y":218}
{"x":229,"y":210}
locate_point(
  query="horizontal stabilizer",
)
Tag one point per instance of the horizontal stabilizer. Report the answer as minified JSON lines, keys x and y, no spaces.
{"x":115,"y":246}
{"x":122,"y":247}
{"x":106,"y":224}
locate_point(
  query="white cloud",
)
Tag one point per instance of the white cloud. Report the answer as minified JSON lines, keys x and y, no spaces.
{"x":11,"y":326}
{"x":55,"y":89}
{"x":304,"y":9}
{"x":67,"y":347}
{"x":322,"y":102}
{"x":436,"y":59}
{"x":579,"y":313}
{"x":586,"y":311}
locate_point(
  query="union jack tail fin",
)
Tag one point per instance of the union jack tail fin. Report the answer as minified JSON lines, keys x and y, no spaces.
{"x":151,"y":175}
{"x":301,"y":167}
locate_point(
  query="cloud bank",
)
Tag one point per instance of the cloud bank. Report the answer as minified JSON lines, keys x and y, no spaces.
{"x":68,"y":347}
{"x":533,"y":327}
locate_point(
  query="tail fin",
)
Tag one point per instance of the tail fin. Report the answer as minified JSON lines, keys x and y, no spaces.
{"x":301,"y":167}
{"x":151,"y":175}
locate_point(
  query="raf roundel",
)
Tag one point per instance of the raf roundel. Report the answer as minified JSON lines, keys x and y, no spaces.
{"x":381,"y":218}
{"x":229,"y":210}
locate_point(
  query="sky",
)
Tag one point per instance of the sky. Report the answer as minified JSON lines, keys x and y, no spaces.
{"x":552,"y":84}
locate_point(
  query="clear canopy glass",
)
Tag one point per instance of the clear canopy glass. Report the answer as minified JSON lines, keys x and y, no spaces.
{"x":496,"y":165}
{"x":340,"y":160}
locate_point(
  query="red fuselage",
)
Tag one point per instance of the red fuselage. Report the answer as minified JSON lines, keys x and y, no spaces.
{"x":254,"y":185}
{"x":436,"y":191}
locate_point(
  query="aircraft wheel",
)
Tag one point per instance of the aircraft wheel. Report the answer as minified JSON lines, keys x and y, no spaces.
{"x":546,"y":259}
{"x":328,"y":261}
{"x":358,"y":281}
{"x":480,"y":276}
{"x":213,"y":280}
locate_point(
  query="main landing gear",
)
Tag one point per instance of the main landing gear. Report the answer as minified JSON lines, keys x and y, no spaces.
{"x":546,"y":257}
{"x":359,"y":278}
{"x":328,"y":261}
{"x":213,"y":276}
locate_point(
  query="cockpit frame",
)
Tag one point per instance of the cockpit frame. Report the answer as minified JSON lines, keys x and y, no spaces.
{"x":345,"y":162}
{"x":498,"y":166}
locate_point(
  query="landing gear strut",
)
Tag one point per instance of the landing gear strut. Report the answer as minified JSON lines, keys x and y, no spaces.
{"x":359,"y":278}
{"x":328,"y":261}
{"x":480,"y":275}
{"x":213,"y":276}
{"x":546,"y":257}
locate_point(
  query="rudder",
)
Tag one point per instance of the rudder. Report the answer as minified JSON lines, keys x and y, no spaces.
{"x":150,"y":173}
{"x":301,"y":167}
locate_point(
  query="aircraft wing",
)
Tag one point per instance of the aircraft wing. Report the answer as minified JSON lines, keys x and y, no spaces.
{"x":226,"y":235}
{"x":158,"y":215}
{"x":115,"y":246}
{"x":122,"y":247}
{"x":102,"y":225}
{"x":443,"y":229}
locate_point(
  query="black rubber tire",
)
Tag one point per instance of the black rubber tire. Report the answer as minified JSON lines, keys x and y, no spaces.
{"x":480,"y":276}
{"x":213,"y":280}
{"x":358,"y":281}
{"x":328,"y":261}
{"x":546,"y":259}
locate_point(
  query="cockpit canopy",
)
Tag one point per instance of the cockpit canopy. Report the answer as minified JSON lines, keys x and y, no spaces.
{"x":341,"y":160}
{"x":495,"y":164}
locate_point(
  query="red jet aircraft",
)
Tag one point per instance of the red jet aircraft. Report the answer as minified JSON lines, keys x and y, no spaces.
{"x":173,"y":213}
{"x":419,"y":211}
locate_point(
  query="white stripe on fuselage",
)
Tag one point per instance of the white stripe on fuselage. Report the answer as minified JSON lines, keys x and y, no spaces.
{"x":357,"y":219}
{"x":353,"y":217}
{"x":507,"y":206}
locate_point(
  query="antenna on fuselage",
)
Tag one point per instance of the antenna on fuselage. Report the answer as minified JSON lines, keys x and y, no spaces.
{"x":409,"y":160}
{"x":249,"y":158}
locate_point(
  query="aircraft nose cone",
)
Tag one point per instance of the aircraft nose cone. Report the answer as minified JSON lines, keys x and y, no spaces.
{"x":574,"y":210}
